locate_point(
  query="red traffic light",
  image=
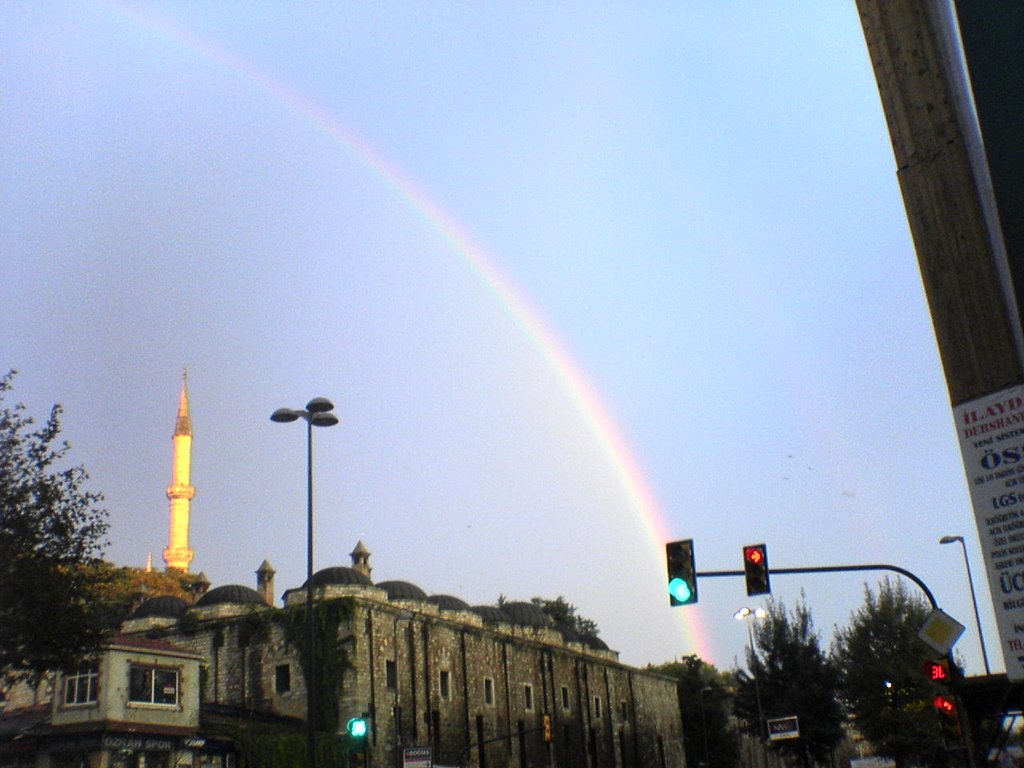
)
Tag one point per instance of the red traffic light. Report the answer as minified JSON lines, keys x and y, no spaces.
{"x":755,"y":569}
{"x":944,"y":704}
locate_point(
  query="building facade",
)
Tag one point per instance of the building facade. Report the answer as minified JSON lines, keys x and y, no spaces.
{"x":474,"y":685}
{"x":468,"y":685}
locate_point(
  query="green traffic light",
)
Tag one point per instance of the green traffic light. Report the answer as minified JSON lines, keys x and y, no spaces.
{"x":680,"y":590}
{"x":356,"y":727}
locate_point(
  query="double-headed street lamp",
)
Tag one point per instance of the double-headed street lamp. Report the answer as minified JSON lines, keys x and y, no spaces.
{"x":318,"y":413}
{"x":974,"y":598}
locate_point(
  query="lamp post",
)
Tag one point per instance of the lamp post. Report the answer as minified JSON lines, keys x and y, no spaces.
{"x":318,"y":413}
{"x":704,"y":722}
{"x":974,"y":598}
{"x":742,"y":615}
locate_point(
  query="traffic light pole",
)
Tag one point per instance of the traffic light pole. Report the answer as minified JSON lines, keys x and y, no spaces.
{"x":836,"y":569}
{"x":966,"y":735}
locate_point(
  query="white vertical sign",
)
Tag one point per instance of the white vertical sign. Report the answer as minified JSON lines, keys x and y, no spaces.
{"x":991,"y":432}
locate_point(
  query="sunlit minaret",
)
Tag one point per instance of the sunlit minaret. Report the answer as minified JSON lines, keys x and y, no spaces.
{"x":178,"y":555}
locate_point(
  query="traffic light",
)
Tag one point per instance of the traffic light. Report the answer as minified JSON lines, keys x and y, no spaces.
{"x":548,"y":733}
{"x":358,"y":727}
{"x":944,"y":704}
{"x":682,"y":573}
{"x":755,"y":568}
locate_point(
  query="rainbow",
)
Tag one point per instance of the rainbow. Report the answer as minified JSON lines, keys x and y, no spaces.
{"x":514,"y":301}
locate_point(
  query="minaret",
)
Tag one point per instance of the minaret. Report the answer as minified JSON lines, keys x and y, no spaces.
{"x":178,"y":555}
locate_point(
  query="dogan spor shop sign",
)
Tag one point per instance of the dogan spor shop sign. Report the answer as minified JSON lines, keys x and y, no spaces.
{"x":991,"y":432}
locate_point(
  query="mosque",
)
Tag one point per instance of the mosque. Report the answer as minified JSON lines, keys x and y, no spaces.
{"x":219,"y":681}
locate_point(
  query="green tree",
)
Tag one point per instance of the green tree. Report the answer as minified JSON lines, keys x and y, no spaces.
{"x":883,"y":685}
{"x":50,"y":530}
{"x":790,"y":674}
{"x":705,"y":702}
{"x":564,"y":614}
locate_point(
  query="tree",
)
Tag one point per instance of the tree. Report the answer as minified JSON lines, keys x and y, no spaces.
{"x":564,"y":614}
{"x":884,"y":687}
{"x":50,"y":531}
{"x":709,"y":738}
{"x":789,"y":674}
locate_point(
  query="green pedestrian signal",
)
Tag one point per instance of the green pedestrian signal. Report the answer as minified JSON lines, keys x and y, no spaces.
{"x":682,"y":573}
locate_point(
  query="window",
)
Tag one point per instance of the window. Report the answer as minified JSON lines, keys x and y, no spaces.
{"x":489,"y":691}
{"x":152,"y":685}
{"x":528,"y":697}
{"x":446,"y":684}
{"x":597,"y":707}
{"x":80,"y":686}
{"x":565,"y":698}
{"x":282,"y":678}
{"x":624,"y":707}
{"x":391,"y":673}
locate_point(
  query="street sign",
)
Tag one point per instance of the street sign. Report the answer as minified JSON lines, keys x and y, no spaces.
{"x":783,"y":728}
{"x":941,"y":631}
{"x":417,"y":757}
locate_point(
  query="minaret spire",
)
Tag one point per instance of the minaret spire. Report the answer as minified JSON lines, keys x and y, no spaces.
{"x":180,"y":492}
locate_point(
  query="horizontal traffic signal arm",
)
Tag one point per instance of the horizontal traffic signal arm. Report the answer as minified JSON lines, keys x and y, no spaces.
{"x":835,"y":569}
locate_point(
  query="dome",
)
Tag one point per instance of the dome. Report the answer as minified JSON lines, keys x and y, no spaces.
{"x":594,"y":642}
{"x":570,"y":634}
{"x":449,"y":603}
{"x":402,"y":590}
{"x":231,"y":593}
{"x":340,"y":575}
{"x":526,"y":615}
{"x":164,"y":606}
{"x":491,"y":614}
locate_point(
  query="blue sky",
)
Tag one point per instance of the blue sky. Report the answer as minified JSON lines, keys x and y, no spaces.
{"x":698,"y":199}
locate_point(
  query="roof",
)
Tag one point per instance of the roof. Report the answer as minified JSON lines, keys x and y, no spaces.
{"x":164,"y":606}
{"x":340,"y":575}
{"x":402,"y":590}
{"x":234,"y":594}
{"x":491,"y":614}
{"x":449,"y":602}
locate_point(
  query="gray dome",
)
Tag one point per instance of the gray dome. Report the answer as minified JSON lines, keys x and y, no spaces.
{"x":449,"y":603}
{"x":164,"y":606}
{"x":340,"y":575}
{"x":402,"y":590}
{"x":595,"y":642}
{"x":234,"y":594}
{"x":570,"y":634}
{"x":526,"y":615}
{"x":492,"y":614}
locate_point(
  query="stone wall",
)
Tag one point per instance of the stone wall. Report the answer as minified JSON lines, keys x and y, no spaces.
{"x":460,"y":681}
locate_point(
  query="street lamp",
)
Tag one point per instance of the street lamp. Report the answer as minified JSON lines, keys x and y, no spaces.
{"x":974,"y":598}
{"x":742,"y":615}
{"x":318,"y":413}
{"x":704,"y":722}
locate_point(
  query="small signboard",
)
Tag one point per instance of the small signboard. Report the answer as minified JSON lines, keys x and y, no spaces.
{"x":783,"y":728}
{"x":941,"y":631}
{"x":417,"y":757}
